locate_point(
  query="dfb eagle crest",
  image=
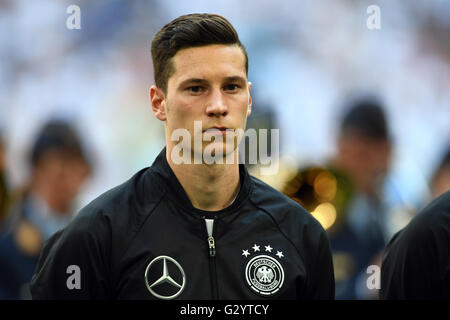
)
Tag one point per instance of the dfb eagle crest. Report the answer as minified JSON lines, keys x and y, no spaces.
{"x":264,"y":273}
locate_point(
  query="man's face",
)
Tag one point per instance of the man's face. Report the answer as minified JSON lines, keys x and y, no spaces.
{"x":365,"y":160}
{"x":60,"y":177}
{"x":209,"y":85}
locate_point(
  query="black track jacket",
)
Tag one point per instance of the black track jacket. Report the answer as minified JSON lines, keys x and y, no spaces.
{"x":145,"y":240}
{"x":416,"y":262}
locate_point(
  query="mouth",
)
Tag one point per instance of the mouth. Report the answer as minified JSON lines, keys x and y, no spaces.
{"x":217,"y":130}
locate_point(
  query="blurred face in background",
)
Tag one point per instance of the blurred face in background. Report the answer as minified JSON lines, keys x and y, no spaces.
{"x":209,"y":85}
{"x":365,"y":159}
{"x":57,"y":178}
{"x":441,"y":182}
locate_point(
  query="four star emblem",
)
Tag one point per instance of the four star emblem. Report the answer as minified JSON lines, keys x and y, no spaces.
{"x":257,"y":248}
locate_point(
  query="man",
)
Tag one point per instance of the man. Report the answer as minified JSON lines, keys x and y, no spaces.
{"x":344,"y":195}
{"x":416,"y":262}
{"x":59,"y":167}
{"x":184,"y":228}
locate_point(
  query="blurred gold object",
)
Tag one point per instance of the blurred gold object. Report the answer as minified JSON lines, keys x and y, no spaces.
{"x":325,"y":186}
{"x":28,"y":238}
{"x":323,"y":191}
{"x":325,"y":213}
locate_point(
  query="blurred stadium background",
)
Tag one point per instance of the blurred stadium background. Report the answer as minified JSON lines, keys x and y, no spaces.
{"x":307,"y":60}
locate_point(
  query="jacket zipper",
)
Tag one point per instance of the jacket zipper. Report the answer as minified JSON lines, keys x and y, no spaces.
{"x":212,"y":261}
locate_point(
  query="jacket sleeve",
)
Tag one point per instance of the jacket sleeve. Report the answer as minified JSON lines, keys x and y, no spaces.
{"x":74,"y":263}
{"x":416,"y":260}
{"x":410,"y":267}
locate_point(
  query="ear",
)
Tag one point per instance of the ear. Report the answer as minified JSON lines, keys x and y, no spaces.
{"x":249,"y":109}
{"x":158,"y":102}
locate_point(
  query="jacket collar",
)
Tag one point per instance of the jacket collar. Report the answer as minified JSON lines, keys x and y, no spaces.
{"x":176,"y":192}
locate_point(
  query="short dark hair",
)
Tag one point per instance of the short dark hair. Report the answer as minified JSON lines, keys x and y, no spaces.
{"x":57,"y":135}
{"x":191,"y":30}
{"x":367,"y":118}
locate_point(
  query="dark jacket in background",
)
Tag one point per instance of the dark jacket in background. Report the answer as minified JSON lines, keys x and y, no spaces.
{"x":416,"y":263}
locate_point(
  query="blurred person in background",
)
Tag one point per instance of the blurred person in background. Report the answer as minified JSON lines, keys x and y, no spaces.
{"x":59,"y":167}
{"x":344,"y":196}
{"x":440,"y":182}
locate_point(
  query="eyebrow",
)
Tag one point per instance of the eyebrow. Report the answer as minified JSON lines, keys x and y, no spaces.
{"x":203,"y":81}
{"x":235,"y":79}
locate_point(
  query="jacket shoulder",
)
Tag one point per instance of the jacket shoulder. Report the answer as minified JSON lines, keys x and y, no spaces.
{"x":126,"y":205}
{"x":280,"y":206}
{"x":96,"y":240}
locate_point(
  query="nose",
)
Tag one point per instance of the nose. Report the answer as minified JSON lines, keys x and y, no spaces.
{"x":216,"y":105}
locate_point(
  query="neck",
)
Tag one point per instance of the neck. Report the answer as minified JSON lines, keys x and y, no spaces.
{"x":208,"y":187}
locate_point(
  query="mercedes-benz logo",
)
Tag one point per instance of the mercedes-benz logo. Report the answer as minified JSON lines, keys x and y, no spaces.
{"x":170,"y":283}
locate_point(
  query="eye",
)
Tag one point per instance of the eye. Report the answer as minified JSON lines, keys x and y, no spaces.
{"x":195,"y":89}
{"x":231,"y":87}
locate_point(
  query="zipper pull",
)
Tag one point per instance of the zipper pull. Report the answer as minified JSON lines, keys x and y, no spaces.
{"x":212,"y":246}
